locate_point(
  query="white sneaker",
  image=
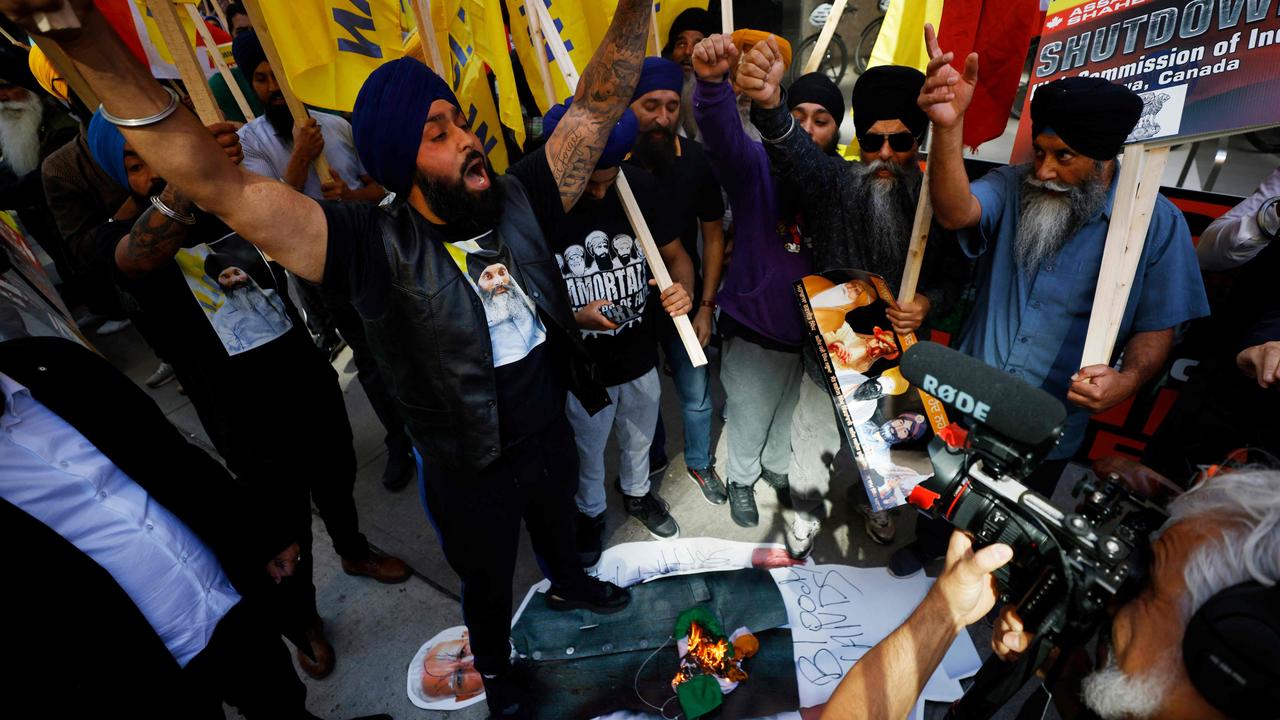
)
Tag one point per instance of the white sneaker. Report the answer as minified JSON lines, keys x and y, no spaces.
{"x":112,"y":326}
{"x":800,"y":535}
{"x":880,"y":526}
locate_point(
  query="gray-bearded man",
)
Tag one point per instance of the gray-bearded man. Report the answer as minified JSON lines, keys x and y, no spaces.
{"x":858,"y":215}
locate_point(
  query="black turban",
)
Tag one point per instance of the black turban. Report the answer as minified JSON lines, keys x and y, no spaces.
{"x":889,"y":92}
{"x":691,"y":19}
{"x":247,"y":51}
{"x":215,"y":263}
{"x":1093,"y":116}
{"x":816,"y":87}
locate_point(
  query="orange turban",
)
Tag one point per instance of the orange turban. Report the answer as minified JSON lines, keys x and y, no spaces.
{"x":48,"y":77}
{"x":744,"y":39}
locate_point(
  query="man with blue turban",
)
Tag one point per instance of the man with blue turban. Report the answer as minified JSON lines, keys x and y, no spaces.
{"x":497,"y":447}
{"x":610,"y":302}
{"x":697,"y":208}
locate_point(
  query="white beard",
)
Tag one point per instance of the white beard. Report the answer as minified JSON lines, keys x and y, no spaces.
{"x":20,"y":134}
{"x":1048,"y":221}
{"x":744,"y":112}
{"x":506,"y":306}
{"x":1113,"y":695}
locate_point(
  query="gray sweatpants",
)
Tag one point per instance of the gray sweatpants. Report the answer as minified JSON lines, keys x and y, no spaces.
{"x":816,"y":439}
{"x":761,"y":387}
{"x":633,"y":413}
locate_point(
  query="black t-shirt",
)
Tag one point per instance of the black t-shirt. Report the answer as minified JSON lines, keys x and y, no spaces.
{"x":529,"y":368}
{"x":693,"y":197}
{"x":600,"y":258}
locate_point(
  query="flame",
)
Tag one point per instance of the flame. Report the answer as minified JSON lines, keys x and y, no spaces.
{"x":708,"y":657}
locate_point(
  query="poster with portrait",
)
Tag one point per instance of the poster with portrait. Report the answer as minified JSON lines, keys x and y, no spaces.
{"x":858,"y":353}
{"x":233,"y":284}
{"x":29,"y":304}
{"x":443,"y":675}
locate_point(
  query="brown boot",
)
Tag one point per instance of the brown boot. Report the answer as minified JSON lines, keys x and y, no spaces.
{"x":383,"y":568}
{"x":320,"y":648}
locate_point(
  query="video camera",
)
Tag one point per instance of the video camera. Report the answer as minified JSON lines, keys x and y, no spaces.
{"x":1067,"y":568}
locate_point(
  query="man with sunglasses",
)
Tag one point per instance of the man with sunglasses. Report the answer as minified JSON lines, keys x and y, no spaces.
{"x":859,"y":215}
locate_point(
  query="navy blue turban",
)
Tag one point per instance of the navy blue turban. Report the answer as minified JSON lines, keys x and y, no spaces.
{"x":248,"y":53}
{"x":1091,"y":114}
{"x":621,"y":138}
{"x":659,"y":74}
{"x":386,"y":124}
{"x":106,"y":144}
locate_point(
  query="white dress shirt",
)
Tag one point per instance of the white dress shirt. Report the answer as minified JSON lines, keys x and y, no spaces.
{"x":51,"y":472}
{"x":1235,"y":238}
{"x":265,"y":153}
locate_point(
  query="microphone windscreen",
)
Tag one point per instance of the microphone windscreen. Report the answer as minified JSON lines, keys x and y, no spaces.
{"x":1011,"y":407}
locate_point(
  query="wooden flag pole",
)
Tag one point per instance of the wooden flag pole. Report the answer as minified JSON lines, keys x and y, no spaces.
{"x":296,"y":108}
{"x":427,"y":36}
{"x":219,"y":62}
{"x":544,"y":68}
{"x":656,"y":266}
{"x":67,"y":69}
{"x":824,"y":38}
{"x":655,"y":44}
{"x":222,"y":17}
{"x":1136,"y":189}
{"x":726,"y":17}
{"x":919,"y":240}
{"x":14,"y":40}
{"x":184,"y":57}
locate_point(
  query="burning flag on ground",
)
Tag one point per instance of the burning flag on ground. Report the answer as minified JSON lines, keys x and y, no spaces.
{"x":710,"y":662}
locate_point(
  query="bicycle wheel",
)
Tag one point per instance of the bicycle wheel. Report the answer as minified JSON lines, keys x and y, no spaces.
{"x":834,"y":63}
{"x":866,"y":43}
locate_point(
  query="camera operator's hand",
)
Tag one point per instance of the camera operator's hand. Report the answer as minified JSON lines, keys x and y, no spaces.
{"x":966,"y":583}
{"x":1010,"y":639}
{"x":1099,"y":387}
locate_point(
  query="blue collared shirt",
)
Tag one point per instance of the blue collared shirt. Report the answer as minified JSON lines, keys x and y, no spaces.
{"x":1034,"y":327}
{"x":51,"y":472}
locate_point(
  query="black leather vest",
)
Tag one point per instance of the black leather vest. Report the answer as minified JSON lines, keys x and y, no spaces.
{"x":432,"y":342}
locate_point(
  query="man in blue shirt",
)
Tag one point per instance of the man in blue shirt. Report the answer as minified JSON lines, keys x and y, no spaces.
{"x":1038,"y":233}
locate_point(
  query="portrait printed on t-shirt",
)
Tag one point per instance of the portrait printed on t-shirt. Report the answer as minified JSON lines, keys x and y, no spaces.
{"x":233,"y":284}
{"x":514,"y":327}
{"x":607,"y":268}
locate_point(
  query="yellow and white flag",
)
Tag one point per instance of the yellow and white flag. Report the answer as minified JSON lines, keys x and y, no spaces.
{"x":581,"y":25}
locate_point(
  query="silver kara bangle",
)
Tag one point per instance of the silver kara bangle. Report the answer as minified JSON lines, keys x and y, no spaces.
{"x":158,"y":204}
{"x":145,"y":121}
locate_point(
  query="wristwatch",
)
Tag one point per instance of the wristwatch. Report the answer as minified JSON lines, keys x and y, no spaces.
{"x":1269,"y":218}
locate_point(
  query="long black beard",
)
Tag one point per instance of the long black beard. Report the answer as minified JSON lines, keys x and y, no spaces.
{"x":144,"y":201}
{"x":887,"y":208}
{"x":1048,"y":220}
{"x":281,"y":120}
{"x":655,"y":151}
{"x":465,"y":211}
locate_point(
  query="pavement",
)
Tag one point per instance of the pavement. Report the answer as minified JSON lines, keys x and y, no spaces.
{"x":376,"y":629}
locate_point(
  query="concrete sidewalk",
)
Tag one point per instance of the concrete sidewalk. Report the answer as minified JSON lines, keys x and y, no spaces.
{"x":376,"y":629}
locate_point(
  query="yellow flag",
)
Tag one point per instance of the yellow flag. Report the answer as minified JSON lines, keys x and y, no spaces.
{"x":667,"y":12}
{"x":581,"y":25}
{"x":465,"y":71}
{"x":901,"y":39}
{"x":329,"y":47}
{"x":489,"y":36}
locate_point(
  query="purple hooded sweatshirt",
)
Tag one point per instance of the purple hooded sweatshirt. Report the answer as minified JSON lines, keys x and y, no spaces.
{"x":757,"y":290}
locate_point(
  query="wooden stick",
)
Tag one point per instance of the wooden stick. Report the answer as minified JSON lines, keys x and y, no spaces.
{"x":655,"y":45}
{"x":14,"y":40}
{"x":222,"y":17}
{"x":726,"y":17}
{"x":184,"y":58}
{"x":643,"y":235}
{"x":919,"y":242}
{"x":296,"y":108}
{"x":544,"y":68}
{"x":1136,"y":189}
{"x":427,"y":36}
{"x":219,"y":62}
{"x":67,"y":69}
{"x":824,"y":38}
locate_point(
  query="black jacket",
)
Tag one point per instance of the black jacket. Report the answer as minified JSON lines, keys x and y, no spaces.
{"x":72,"y":636}
{"x":432,"y":341}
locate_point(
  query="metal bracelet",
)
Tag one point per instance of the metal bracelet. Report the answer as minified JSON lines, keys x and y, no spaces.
{"x":158,"y":204}
{"x":790,"y":128}
{"x":1268,"y":218}
{"x":145,"y":121}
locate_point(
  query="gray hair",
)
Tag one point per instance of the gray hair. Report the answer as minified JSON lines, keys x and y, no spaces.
{"x":1245,"y":506}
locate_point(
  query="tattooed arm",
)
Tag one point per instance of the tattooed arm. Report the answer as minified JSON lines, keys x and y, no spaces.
{"x":155,"y":237}
{"x":603,"y":93}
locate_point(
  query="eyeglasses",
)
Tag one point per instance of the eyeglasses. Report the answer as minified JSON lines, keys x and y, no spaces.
{"x":899,"y":141}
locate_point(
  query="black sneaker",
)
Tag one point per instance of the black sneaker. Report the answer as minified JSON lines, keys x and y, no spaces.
{"x":589,"y":594}
{"x":505,"y":694}
{"x":658,"y":469}
{"x":908,"y":560}
{"x":742,"y":505}
{"x":400,"y":469}
{"x":781,"y":485}
{"x":709,"y":482}
{"x":590,"y":538}
{"x":651,"y":511}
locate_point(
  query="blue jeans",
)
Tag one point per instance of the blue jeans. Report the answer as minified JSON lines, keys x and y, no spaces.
{"x":693,"y":386}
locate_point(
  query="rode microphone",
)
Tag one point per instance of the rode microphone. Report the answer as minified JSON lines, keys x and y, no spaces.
{"x":1014,"y":409}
